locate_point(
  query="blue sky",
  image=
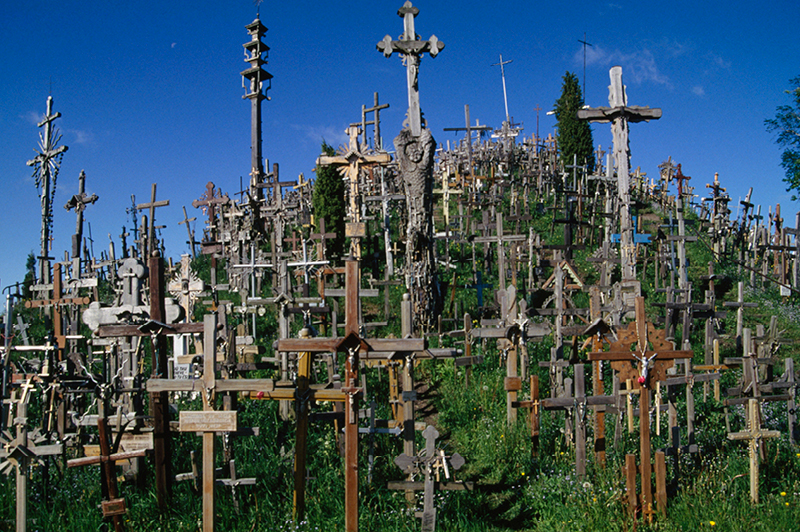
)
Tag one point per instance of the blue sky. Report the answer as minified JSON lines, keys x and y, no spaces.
{"x":150,"y":92}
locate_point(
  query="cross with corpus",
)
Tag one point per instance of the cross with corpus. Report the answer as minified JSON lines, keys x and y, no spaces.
{"x":350,"y":167}
{"x":631,"y":358}
{"x":79,"y":202}
{"x":620,"y":114}
{"x":412,"y":48}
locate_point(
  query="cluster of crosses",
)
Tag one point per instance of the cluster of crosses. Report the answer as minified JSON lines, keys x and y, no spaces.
{"x":413,"y":219}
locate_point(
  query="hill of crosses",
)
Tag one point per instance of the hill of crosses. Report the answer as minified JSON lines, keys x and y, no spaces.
{"x":483,"y":336}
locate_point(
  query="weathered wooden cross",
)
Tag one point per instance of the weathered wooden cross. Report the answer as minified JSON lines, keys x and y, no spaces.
{"x":412,"y":48}
{"x":754,"y":434}
{"x":620,"y":114}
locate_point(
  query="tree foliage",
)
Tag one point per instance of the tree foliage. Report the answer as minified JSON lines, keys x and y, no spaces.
{"x":329,"y":203}
{"x":574,"y":135}
{"x":787,"y":125}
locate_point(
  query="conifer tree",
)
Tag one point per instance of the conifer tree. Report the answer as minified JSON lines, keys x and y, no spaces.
{"x":328,"y":201}
{"x":574,"y":135}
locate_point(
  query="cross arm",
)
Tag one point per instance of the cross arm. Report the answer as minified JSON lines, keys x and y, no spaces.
{"x":631,"y":114}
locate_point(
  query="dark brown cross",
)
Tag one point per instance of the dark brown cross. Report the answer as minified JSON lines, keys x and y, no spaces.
{"x":152,"y":208}
{"x":78,"y":202}
{"x":322,"y":236}
{"x":114,"y":507}
{"x":681,"y":179}
{"x":631,"y":357}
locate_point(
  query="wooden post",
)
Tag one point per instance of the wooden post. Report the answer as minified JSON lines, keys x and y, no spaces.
{"x":304,"y":364}
{"x":661,"y":483}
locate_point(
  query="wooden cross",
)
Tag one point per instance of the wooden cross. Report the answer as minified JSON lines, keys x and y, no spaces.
{"x":190,"y":232}
{"x":57,"y":303}
{"x":412,"y":48}
{"x":620,"y":114}
{"x":209,"y":201}
{"x":631,"y":357}
{"x":114,"y":507}
{"x":152,"y":209}
{"x":322,"y":236}
{"x":754,"y":434}
{"x":428,"y":465}
{"x":209,"y":421}
{"x":350,"y":165}
{"x":79,"y":202}
{"x":356,"y":348}
{"x":19,"y":452}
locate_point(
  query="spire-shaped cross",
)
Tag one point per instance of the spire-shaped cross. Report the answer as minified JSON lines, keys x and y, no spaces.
{"x":412,"y":49}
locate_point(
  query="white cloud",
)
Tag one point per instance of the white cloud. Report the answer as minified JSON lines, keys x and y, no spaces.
{"x":79,"y":136}
{"x":698,"y":90}
{"x":638,"y":66}
{"x":32,"y":117}
{"x":334,"y":136}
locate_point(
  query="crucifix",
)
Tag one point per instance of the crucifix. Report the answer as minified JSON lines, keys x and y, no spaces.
{"x":45,"y":171}
{"x":151,"y":227}
{"x":620,"y":114}
{"x":411,"y":48}
{"x":634,"y":361}
{"x":79,"y":202}
{"x":355,"y":347}
{"x":350,"y":165}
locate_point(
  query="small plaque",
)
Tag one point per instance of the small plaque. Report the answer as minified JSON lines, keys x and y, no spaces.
{"x":113,"y":507}
{"x":208,"y":421}
{"x":355,"y":230}
{"x":409,"y":396}
{"x":513,"y":384}
{"x":785,"y":291}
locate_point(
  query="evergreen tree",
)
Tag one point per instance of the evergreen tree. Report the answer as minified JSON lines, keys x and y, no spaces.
{"x":787,"y":124}
{"x":574,"y":135}
{"x":328,"y":202}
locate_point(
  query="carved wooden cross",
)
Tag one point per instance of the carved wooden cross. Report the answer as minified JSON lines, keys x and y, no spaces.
{"x":412,"y":48}
{"x":350,"y":165}
{"x":633,"y":359}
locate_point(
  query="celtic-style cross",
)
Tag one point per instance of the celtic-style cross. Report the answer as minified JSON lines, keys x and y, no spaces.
{"x":412,"y":48}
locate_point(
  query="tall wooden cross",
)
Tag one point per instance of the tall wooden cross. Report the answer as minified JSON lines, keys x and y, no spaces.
{"x":754,"y":434}
{"x":412,"y":48}
{"x":190,"y":232}
{"x":634,"y":360}
{"x":620,"y":114}
{"x":355,"y":348}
